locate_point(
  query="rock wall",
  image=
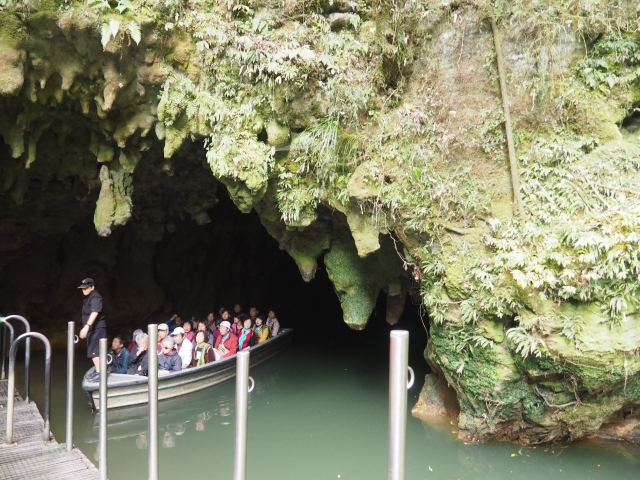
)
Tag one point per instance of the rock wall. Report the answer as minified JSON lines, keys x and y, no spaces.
{"x":371,"y":134}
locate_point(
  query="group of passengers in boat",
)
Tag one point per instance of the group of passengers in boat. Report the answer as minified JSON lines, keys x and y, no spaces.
{"x":184,"y":343}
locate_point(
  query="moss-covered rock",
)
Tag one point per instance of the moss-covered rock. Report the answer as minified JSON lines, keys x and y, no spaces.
{"x":278,"y":134}
{"x":357,"y":281}
{"x":385,"y":153}
{"x":11,"y":70}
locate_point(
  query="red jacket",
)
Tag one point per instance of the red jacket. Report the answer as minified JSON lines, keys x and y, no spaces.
{"x":231,"y":344}
{"x":247,"y":339}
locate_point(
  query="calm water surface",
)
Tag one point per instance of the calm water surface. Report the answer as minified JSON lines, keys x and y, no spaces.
{"x":314,"y":414}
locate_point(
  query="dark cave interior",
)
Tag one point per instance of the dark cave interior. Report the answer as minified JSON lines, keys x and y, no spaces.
{"x":166,"y":259}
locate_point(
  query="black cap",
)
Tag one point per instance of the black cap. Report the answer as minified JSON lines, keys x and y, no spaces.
{"x":87,"y":282}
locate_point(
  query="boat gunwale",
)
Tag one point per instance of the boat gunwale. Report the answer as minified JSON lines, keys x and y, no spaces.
{"x":188,"y":375}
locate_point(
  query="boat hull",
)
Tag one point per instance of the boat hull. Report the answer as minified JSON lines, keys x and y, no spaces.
{"x":128,"y":390}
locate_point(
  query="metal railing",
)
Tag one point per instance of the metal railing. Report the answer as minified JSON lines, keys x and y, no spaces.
{"x":398,"y":386}
{"x":102,"y":464}
{"x":12,"y":384}
{"x":3,"y":352}
{"x":27,"y":354}
{"x":242,"y":403}
{"x":4,"y":341}
{"x":152,"y":358}
{"x":72,"y":339}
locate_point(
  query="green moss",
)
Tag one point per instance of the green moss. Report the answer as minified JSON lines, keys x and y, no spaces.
{"x":129,"y":158}
{"x":278,"y":134}
{"x":12,"y":35}
{"x":493,"y":330}
{"x":114,"y":203}
{"x":12,"y":31}
{"x":357,"y":281}
{"x":352,"y":280}
{"x":243,"y":197}
{"x":104,"y":153}
{"x":364,"y":230}
{"x":387,"y":146}
{"x":362,"y":184}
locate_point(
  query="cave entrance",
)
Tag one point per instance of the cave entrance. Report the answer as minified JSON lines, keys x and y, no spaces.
{"x":234,"y":259}
{"x":169,"y":257}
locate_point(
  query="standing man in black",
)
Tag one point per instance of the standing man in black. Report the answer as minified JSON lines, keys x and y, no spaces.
{"x":94,"y":325}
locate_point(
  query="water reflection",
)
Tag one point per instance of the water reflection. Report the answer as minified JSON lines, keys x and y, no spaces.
{"x":328,"y":412}
{"x":142,"y":442}
{"x":175,"y":417}
{"x":168,"y":440}
{"x":586,"y":459}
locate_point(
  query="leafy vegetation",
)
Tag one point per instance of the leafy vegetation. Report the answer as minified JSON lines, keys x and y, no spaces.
{"x":366,"y":136}
{"x":613,"y":60}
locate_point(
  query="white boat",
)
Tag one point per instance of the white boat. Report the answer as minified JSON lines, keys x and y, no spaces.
{"x":126,"y":390}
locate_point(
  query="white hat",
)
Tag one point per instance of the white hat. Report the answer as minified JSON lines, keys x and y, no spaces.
{"x":224,"y":323}
{"x":178,"y":330}
{"x":163,"y":326}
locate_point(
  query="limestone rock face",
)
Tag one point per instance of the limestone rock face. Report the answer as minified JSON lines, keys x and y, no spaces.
{"x":371,"y":139}
{"x":11,"y":70}
{"x":436,"y":400}
{"x":358,"y":280}
{"x":278,"y":134}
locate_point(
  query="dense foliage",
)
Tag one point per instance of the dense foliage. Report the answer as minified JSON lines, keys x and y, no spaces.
{"x":348,"y":106}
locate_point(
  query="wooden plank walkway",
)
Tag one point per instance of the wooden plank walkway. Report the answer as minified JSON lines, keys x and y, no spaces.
{"x":31,"y":458}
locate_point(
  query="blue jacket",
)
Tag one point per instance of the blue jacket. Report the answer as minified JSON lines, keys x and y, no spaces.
{"x":172,"y":363}
{"x":119,"y":361}
{"x":172,"y":325}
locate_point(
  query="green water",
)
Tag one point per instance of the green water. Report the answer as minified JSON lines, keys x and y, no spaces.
{"x":316,"y":413}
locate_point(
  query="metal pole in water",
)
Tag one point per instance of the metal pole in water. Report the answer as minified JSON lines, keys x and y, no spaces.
{"x":399,"y":366}
{"x":70,"y":357}
{"x":103,"y":410}
{"x":27,"y":368}
{"x":242,"y":401}
{"x":152,"y":357}
{"x":47,"y":383}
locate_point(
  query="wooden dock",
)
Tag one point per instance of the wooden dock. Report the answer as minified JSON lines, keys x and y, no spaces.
{"x":30,"y":457}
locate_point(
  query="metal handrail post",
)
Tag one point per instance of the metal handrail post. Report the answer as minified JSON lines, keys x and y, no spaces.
{"x":152,"y":358}
{"x":70,"y":359}
{"x":103,"y":409}
{"x":3,"y":352}
{"x":27,"y":355}
{"x":399,"y":363}
{"x":4,"y":339}
{"x":242,"y":401}
{"x":4,"y":343}
{"x":12,"y":385}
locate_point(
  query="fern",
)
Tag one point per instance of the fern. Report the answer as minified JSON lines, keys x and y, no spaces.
{"x":526,"y":343}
